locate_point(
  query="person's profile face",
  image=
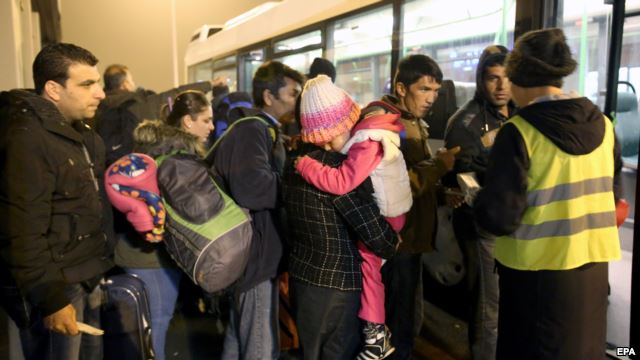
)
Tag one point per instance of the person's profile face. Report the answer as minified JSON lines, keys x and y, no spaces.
{"x":284,"y":105}
{"x":80,"y":95}
{"x":517,"y":94}
{"x":200,"y":125}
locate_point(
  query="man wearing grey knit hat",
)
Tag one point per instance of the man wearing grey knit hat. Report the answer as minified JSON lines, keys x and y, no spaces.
{"x":550,"y":192}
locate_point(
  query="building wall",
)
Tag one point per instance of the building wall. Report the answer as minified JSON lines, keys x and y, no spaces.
{"x":139,"y":33}
{"x":19,"y":41}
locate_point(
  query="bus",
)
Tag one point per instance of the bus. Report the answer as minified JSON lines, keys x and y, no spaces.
{"x":366,"y":38}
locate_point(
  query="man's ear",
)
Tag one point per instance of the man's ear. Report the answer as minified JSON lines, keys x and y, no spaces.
{"x":52,"y":90}
{"x":267,"y":97}
{"x":401,"y":90}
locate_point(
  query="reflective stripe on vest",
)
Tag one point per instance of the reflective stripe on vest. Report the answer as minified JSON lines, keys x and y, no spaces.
{"x":570,"y":216}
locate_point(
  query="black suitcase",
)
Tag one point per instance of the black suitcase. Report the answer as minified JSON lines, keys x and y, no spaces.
{"x":126,"y":320}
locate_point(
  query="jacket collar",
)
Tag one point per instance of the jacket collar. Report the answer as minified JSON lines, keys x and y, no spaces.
{"x":49,"y":115}
{"x":392,"y":103}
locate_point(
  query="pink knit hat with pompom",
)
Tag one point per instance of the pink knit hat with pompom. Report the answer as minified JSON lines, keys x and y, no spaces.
{"x":326,"y":111}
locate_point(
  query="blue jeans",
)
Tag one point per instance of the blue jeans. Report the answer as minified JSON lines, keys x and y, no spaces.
{"x":38,"y":343}
{"x":252,"y":332}
{"x":162,"y":286}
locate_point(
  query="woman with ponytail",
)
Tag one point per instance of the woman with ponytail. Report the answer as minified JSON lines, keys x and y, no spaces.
{"x":187,"y":122}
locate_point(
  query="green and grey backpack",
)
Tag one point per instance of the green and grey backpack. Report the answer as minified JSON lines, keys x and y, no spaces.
{"x":208,"y":234}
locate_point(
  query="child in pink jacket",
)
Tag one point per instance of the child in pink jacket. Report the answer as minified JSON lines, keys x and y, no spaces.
{"x":372,"y":148}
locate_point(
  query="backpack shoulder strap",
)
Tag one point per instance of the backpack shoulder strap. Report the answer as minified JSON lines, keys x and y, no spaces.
{"x":272,"y":133}
{"x":160,"y":159}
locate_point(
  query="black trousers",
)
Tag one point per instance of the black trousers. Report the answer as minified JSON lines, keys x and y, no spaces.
{"x":327,"y":321}
{"x":553,"y":314}
{"x":401,"y":276}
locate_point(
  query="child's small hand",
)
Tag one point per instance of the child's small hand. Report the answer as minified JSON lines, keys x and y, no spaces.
{"x":152,"y":238}
{"x":295,"y":163}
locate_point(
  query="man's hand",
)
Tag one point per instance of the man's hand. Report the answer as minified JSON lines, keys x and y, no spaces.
{"x":62,"y":321}
{"x":448,"y":156}
{"x":453,"y":198}
{"x":218,"y":81}
{"x":292,"y":143}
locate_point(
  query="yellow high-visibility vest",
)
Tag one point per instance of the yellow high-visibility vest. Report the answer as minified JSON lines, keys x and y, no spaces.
{"x":570,"y":217}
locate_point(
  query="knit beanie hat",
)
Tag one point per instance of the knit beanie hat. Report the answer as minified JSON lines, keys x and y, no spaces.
{"x":540,"y":58}
{"x":326,"y":111}
{"x":132,"y":188}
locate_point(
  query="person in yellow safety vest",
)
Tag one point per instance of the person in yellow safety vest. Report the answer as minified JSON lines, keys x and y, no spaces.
{"x":550,"y":192}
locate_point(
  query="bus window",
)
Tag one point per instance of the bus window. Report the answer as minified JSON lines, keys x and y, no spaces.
{"x":249,"y":64}
{"x":630,"y":61}
{"x":627,"y":125}
{"x":226,"y":69}
{"x":360,"y":48}
{"x":301,"y":61}
{"x":455,"y":39}
{"x":298,"y":42}
{"x":200,"y":72}
{"x":586,"y":25}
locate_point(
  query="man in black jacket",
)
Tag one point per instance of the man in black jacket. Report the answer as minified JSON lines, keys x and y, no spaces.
{"x":53,"y":250}
{"x":250,"y":158}
{"x":473,"y":128}
{"x":126,"y":105}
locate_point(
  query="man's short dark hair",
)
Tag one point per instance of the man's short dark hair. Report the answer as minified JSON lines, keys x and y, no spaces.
{"x":53,"y":62}
{"x":495,"y":60}
{"x":270,"y":76}
{"x":414,"y":67}
{"x":114,"y":76}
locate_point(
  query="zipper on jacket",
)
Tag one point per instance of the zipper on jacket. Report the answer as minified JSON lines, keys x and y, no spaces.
{"x":93,"y":174}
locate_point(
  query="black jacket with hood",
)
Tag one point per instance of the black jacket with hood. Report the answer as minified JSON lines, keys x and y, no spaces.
{"x":250,"y":162}
{"x":574,"y":125}
{"x":52,"y":212}
{"x":465,"y":129}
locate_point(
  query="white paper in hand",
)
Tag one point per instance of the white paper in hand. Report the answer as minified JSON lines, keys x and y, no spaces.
{"x":469,"y":186}
{"x":88,"y":329}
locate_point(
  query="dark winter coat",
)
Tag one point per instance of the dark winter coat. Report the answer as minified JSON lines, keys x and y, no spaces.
{"x":574,"y":125}
{"x":250,"y":163}
{"x":50,"y":203}
{"x":144,"y":104}
{"x":465,"y":129}
{"x":324,"y":229}
{"x":425,"y":171}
